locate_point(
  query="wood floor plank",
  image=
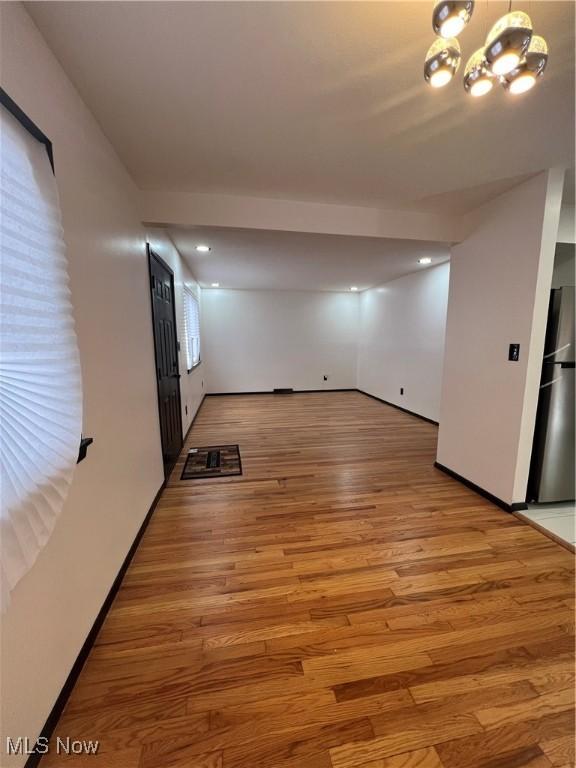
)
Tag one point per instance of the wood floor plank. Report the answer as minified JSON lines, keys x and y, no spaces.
{"x":560,"y":751}
{"x":420,"y":758}
{"x":489,"y":678}
{"x":397,"y":737}
{"x":342,"y":604}
{"x":505,"y":744}
{"x":499,"y":714}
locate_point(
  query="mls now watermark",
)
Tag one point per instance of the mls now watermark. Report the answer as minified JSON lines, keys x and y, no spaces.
{"x":42,"y":746}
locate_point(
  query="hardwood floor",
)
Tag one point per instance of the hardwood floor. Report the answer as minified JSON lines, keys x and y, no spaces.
{"x":342,"y":604}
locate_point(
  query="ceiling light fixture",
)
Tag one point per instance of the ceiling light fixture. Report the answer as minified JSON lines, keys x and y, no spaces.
{"x":425,"y":260}
{"x":477,"y":79}
{"x":449,"y":17}
{"x":524,"y":77}
{"x":215,"y":285}
{"x":353,"y":287}
{"x":507,"y":42}
{"x":203,"y":248}
{"x":442,"y":61}
{"x":511,"y":55}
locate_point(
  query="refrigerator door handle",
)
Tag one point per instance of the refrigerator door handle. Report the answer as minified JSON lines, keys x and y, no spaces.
{"x":549,"y":383}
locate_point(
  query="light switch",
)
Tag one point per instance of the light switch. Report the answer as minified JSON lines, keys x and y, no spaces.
{"x":514,"y":352}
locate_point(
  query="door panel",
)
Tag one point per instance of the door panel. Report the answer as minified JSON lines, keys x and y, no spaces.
{"x":560,"y":331}
{"x":553,"y":463}
{"x":166,"y":356}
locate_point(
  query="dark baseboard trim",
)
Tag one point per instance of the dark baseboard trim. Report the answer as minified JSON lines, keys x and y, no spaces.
{"x":64,"y":695}
{"x":516,"y":507}
{"x":399,"y":407}
{"x":282,"y":394}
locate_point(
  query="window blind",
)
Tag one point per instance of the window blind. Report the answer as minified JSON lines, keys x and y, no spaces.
{"x":40,"y":384}
{"x":192,"y":328}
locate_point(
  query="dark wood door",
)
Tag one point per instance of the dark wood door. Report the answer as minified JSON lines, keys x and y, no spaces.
{"x":166,"y":356}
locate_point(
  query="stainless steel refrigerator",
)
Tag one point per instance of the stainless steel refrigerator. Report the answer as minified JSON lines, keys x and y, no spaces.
{"x":553,"y":460}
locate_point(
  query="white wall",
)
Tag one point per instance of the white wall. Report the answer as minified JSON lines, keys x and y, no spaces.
{"x":401,"y":340}
{"x":259,"y":340}
{"x":55,"y":604}
{"x":500,"y":279}
{"x":191,"y":384}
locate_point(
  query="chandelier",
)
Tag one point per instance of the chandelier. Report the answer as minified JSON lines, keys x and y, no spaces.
{"x":512,"y":55}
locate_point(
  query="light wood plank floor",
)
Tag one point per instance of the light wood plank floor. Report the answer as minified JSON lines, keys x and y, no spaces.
{"x":343,"y":604}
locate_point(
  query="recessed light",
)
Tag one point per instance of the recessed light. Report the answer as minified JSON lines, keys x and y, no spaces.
{"x":425,"y":260}
{"x":215,"y":285}
{"x":203,"y":248}
{"x":353,"y":287}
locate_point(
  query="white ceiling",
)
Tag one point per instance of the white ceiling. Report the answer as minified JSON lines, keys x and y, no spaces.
{"x":261,"y":259}
{"x":311,"y":101}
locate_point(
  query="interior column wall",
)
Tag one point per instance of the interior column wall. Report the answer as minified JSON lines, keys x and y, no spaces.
{"x":500,"y":278}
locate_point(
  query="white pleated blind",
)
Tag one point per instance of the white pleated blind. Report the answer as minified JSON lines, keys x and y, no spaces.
{"x":40,"y":384}
{"x":191,"y":328}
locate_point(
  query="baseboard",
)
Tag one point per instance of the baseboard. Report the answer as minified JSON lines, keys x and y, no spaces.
{"x":516,"y":507}
{"x":398,"y":407}
{"x":64,"y":695}
{"x":271,"y":392}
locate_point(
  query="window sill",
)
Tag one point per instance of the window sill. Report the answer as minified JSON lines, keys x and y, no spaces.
{"x":198,"y":364}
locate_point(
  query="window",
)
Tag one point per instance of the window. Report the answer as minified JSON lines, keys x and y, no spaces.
{"x":191,"y":328}
{"x":40,"y":385}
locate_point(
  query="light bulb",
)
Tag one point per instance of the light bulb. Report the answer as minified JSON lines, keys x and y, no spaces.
{"x":505,"y":63}
{"x":522,"y":83}
{"x":452,"y":27}
{"x":481,"y":87}
{"x":440,"y":78}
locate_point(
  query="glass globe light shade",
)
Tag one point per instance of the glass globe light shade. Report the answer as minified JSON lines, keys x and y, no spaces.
{"x":442,"y":62}
{"x":507,"y":42}
{"x":523,"y":77}
{"x":477,"y":78}
{"x":449,"y":17}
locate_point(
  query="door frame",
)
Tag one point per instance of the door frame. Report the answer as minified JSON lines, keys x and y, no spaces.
{"x":152,"y":256}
